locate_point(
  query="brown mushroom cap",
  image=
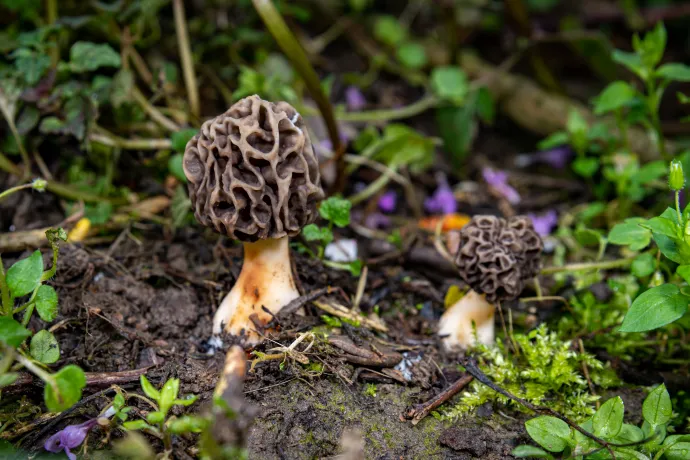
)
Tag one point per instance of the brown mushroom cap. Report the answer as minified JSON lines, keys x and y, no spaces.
{"x":252,"y":172}
{"x":496,"y":256}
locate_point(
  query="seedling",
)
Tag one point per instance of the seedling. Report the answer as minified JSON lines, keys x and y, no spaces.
{"x":26,"y":277}
{"x":624,"y":440}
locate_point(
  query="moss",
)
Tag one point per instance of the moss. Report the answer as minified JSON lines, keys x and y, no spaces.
{"x":545,"y":371}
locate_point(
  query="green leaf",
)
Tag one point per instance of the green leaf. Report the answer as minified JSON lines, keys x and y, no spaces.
{"x":121,"y":89}
{"x":149,"y":390}
{"x":8,"y":378}
{"x":175,"y":167}
{"x":589,"y":237}
{"x":554,"y":140}
{"x":677,"y":447}
{"x":684,"y":272}
{"x":630,"y":60}
{"x":336,"y":210}
{"x":643,"y":265}
{"x":25,"y":275}
{"x":630,"y":233}
{"x":168,"y":394}
{"x":187,"y":400}
{"x":669,"y":248}
{"x":313,"y":232}
{"x":577,"y":128}
{"x":629,"y":434}
{"x":180,"y":205}
{"x":180,"y":138}
{"x":134,"y":425}
{"x":608,"y":420}
{"x":412,"y":55}
{"x":486,"y":106}
{"x":655,"y":308}
{"x":549,"y":432}
{"x":449,"y":83}
{"x":99,"y":213}
{"x":46,"y":303}
{"x":615,"y":96}
{"x":187,"y":424}
{"x":663,"y":226}
{"x":651,"y":48}
{"x":530,"y":452}
{"x":70,"y":381}
{"x":155,"y":418}
{"x":586,"y":166}
{"x":674,"y":71}
{"x":355,"y":267}
{"x":11,"y":332}
{"x":457,"y":127}
{"x":388,"y":30}
{"x":31,"y":65}
{"x":656,"y":408}
{"x":44,"y":347}
{"x":87,"y":57}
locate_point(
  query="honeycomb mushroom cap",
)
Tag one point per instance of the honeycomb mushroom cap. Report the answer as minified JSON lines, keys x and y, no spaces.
{"x":496,"y":256}
{"x":252,"y":172}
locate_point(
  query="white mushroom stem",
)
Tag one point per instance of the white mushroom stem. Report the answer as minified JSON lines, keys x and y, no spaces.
{"x":265,"y":282}
{"x":460,"y":319}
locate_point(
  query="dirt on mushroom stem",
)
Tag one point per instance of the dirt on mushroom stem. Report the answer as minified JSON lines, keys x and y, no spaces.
{"x":265,"y":283}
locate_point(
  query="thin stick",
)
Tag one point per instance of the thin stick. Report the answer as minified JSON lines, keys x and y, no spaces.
{"x":418,"y":412}
{"x":153,"y":112}
{"x":585,"y":371}
{"x":604,"y":265}
{"x":186,"y":57}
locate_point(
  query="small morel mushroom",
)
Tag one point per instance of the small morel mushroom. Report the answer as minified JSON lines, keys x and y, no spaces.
{"x":253,"y":176}
{"x":495,"y":258}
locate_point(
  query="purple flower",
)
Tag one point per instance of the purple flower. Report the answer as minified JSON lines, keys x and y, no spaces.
{"x":556,"y":157}
{"x":376,"y":221}
{"x":499,"y":181}
{"x":69,"y":438}
{"x":388,"y":201}
{"x":544,"y":223}
{"x":354,"y":98}
{"x":443,"y":199}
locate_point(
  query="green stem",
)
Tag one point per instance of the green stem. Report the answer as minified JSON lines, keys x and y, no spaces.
{"x":153,"y":112}
{"x":10,"y":191}
{"x":31,"y":304}
{"x":623,"y":129}
{"x":57,"y":188}
{"x":106,"y":138}
{"x":48,"y":274}
{"x":38,"y":372}
{"x":370,"y":116}
{"x":603,"y":265}
{"x":680,"y":216}
{"x":5,"y":292}
{"x":51,"y":18}
{"x":373,"y":188}
{"x":653,"y":107}
{"x":294,"y":51}
{"x":7,"y":360}
{"x":186,"y":57}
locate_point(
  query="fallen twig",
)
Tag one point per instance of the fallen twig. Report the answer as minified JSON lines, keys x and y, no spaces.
{"x":336,"y":309}
{"x":418,"y":412}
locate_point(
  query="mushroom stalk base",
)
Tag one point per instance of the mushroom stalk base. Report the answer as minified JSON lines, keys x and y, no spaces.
{"x":265,"y":282}
{"x":458,"y":321}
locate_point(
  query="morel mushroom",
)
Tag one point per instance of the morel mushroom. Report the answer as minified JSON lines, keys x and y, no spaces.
{"x":253,"y":176}
{"x":495,"y":258}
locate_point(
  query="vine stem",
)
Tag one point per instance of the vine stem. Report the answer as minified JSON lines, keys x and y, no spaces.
{"x":294,"y":51}
{"x":420,"y":106}
{"x":5,"y":291}
{"x":10,"y":191}
{"x":186,"y":57}
{"x":604,"y":265}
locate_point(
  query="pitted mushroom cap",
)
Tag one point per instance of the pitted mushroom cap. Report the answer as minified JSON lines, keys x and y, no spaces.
{"x":252,"y":172}
{"x":496,"y":256}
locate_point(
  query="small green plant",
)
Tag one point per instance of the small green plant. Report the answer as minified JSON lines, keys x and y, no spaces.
{"x":26,"y":277}
{"x":544,"y":368}
{"x":158,"y":422}
{"x":625,"y":441}
{"x":335,"y":211}
{"x":664,"y":302}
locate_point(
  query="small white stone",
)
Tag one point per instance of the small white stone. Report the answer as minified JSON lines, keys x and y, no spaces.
{"x":342,"y":251}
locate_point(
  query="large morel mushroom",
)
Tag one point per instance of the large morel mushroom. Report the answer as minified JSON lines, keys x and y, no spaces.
{"x":495,"y":258}
{"x":253,"y":176}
